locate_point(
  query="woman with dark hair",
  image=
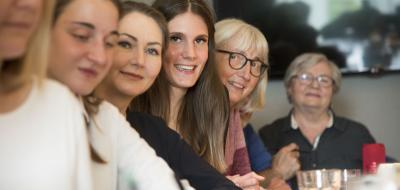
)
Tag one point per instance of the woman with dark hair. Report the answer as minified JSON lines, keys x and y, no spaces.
{"x":82,"y":45}
{"x":188,"y":94}
{"x":43,"y":142}
{"x":136,"y":63}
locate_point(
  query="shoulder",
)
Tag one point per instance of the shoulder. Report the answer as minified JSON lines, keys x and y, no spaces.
{"x":144,"y":119}
{"x":52,"y":89}
{"x":54,"y":95}
{"x":353,"y":128}
{"x":349,"y":124}
{"x":275,"y":126}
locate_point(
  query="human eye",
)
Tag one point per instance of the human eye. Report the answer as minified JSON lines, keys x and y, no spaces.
{"x":255,"y":64}
{"x":201,"y":40}
{"x":325,"y":80}
{"x":305,"y":77}
{"x":81,"y":35}
{"x":124,"y":44}
{"x":234,"y":56}
{"x":175,"y":38}
{"x":153,"y":51}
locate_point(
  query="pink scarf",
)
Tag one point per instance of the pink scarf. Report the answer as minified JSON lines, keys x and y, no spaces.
{"x":236,"y":155}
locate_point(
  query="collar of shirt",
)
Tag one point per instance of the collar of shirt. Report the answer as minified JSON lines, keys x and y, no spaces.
{"x":295,"y":126}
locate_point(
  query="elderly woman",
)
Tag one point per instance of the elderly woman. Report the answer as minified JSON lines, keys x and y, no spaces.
{"x":241,"y":56}
{"x":324,"y":139}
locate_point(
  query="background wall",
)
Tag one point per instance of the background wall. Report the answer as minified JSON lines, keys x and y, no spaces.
{"x":375,"y":102}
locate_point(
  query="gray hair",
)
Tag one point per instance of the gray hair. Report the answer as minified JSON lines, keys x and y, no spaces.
{"x":307,"y":60}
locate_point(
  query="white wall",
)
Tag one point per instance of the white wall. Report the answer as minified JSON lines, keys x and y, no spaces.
{"x":375,"y":102}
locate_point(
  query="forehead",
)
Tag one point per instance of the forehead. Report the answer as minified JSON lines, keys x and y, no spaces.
{"x":239,"y":44}
{"x":140,"y":26}
{"x":320,"y":68}
{"x":188,"y":23}
{"x":101,"y":13}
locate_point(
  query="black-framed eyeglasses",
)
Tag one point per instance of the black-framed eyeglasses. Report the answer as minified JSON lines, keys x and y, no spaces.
{"x":238,"y":60}
{"x":307,"y":79}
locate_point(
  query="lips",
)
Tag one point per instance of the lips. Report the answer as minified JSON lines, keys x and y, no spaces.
{"x":17,"y":25}
{"x":90,"y":73}
{"x":313,"y":95}
{"x":131,"y":75}
{"x":236,"y":85}
{"x":185,"y":68}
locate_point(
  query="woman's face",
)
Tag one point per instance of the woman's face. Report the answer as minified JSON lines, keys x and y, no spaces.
{"x":240,"y":83}
{"x":82,"y":41}
{"x":137,"y":56}
{"x":187,"y":53}
{"x":18,"y":20}
{"x":312,"y":95}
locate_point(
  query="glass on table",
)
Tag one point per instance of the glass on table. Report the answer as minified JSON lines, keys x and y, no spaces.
{"x":349,"y":176}
{"x":325,"y":179}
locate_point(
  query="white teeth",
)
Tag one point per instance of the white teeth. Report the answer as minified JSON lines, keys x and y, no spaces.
{"x":237,"y":85}
{"x":184,"y":67}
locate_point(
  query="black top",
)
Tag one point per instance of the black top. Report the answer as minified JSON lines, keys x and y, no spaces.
{"x":177,"y":153}
{"x":340,"y":146}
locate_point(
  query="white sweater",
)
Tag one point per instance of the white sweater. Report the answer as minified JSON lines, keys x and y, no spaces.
{"x":131,"y":162}
{"x":43,"y":143}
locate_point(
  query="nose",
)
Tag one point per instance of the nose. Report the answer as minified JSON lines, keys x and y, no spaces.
{"x":315,"y":83}
{"x":28,"y":3}
{"x":189,"y":51}
{"x":138,"y":57}
{"x":245,"y":71}
{"x":98,"y":53}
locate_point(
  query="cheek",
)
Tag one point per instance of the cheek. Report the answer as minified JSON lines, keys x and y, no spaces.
{"x":203,"y":55}
{"x":225,"y":72}
{"x":253,"y":83}
{"x":153,"y":68}
{"x":172,"y":54}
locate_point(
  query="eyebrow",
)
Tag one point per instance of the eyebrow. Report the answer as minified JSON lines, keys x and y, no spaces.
{"x":85,"y":24}
{"x":114,"y":32}
{"x":203,"y":35}
{"x":130,"y":36}
{"x":154,"y":43}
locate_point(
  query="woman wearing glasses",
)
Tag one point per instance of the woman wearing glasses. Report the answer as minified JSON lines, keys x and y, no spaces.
{"x":324,"y":139}
{"x":241,"y":56}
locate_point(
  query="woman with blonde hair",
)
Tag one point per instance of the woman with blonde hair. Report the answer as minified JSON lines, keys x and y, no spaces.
{"x":242,"y":59}
{"x":43,"y":143}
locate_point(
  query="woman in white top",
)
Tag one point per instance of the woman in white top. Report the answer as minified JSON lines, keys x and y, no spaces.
{"x":82,"y":43}
{"x":43,"y":142}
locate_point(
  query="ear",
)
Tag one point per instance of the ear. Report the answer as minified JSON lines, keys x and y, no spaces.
{"x":289,"y":93}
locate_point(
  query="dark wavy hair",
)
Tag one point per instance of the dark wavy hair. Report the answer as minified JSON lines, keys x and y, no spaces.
{"x":203,"y":115}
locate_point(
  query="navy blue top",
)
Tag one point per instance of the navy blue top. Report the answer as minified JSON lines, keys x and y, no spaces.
{"x":260,"y":158}
{"x":340,"y":146}
{"x":178,"y":154}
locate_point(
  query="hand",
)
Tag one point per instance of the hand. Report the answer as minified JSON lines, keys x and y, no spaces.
{"x":249,"y":181}
{"x":286,"y":161}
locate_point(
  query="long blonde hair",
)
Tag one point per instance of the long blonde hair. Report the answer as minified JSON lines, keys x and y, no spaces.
{"x":16,"y":72}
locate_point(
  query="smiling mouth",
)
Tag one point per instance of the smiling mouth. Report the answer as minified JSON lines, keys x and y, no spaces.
{"x":236,"y":85}
{"x":131,"y":75}
{"x":185,"y":68}
{"x":313,"y":95}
